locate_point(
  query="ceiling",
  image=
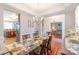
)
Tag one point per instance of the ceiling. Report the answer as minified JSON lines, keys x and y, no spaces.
{"x":43,"y":9}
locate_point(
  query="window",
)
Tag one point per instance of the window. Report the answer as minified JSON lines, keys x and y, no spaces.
{"x":10,"y":18}
{"x":8,"y":25}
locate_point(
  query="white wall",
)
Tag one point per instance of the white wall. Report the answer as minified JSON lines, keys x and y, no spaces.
{"x":69,"y":20}
{"x":24,"y":29}
{"x":69,"y":23}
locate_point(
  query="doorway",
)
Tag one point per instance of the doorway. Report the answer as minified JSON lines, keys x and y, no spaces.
{"x":58,"y":27}
{"x":11,"y":27}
